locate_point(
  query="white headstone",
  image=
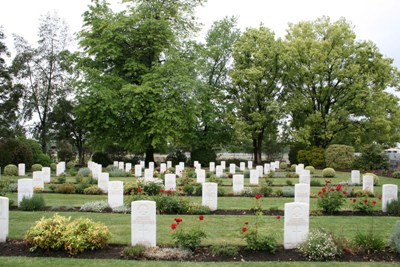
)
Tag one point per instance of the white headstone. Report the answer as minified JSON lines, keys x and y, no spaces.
{"x":178,"y":170}
{"x":21,"y":169}
{"x":254,"y":175}
{"x":210,"y":195}
{"x":305,"y":177}
{"x":121,"y":165}
{"x":218,"y":171}
{"x":143,"y":223}
{"x":60,"y":169}
{"x":242,"y":166}
{"x":201,"y":176}
{"x":170,"y":182}
{"x":115,"y":164}
{"x":143,"y":164}
{"x":128,"y":167}
{"x":299,"y":168}
{"x":223,"y":165}
{"x":232,"y":168}
{"x":46,"y":174}
{"x":151,"y":166}
{"x":96,"y":169}
{"x":355,"y":176}
{"x":389,"y":193}
{"x":195,"y":164}
{"x":238,"y":183}
{"x":250,"y":164}
{"x":272,"y":166}
{"x":148,"y":174}
{"x":301,"y":165}
{"x":368,"y":183}
{"x":25,"y":189}
{"x":169,"y":164}
{"x":278,"y":164}
{"x":102,"y":181}
{"x":302,"y":193}
{"x":115,"y":194}
{"x":138,"y":170}
{"x":260,"y":170}
{"x":37,"y":179}
{"x":267,"y":168}
{"x":182,"y":165}
{"x":296,"y":224}
{"x":4,"y":218}
{"x":212,"y":167}
{"x":163,"y":168}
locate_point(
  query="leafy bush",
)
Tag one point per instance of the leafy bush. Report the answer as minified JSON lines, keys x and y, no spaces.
{"x":166,"y":204}
{"x":101,"y":158}
{"x":70,"y":165}
{"x":283,"y":166}
{"x":84,"y":172}
{"x":43,"y":159}
{"x":319,"y":246}
{"x":204,"y":156}
{"x":257,"y":241}
{"x":152,"y":188}
{"x":224,"y":250}
{"x":198,"y":209}
{"x":315,"y":182}
{"x":35,"y":203}
{"x":292,"y":175}
{"x":287,"y":191}
{"x":393,"y":207}
{"x":328,"y":173}
{"x":11,"y":170}
{"x":289,"y":182}
{"x":361,"y":193}
{"x":116,"y":172}
{"x":314,"y":156}
{"x":364,"y":205}
{"x":187,"y":238}
{"x":372,"y":158}
{"x":310,"y":168}
{"x":176,"y":157}
{"x":396,"y":174}
{"x":93,"y":190}
{"x":96,"y":206}
{"x":84,"y":234}
{"x":130,"y":188}
{"x":293,"y":167}
{"x":14,"y":151}
{"x":36,"y":167}
{"x":395,"y":237}
{"x":67,"y":188}
{"x":13,"y":187}
{"x":369,"y":242}
{"x":134,"y":252}
{"x":331,"y":198}
{"x":61,"y":178}
{"x":53,"y":166}
{"x":80,"y":188}
{"x":339,"y":156}
{"x":265,"y":190}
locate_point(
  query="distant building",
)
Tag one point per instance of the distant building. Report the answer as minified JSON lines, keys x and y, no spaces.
{"x":394,"y":157}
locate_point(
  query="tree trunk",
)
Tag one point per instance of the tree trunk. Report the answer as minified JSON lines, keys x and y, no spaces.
{"x":257,"y":145}
{"x":149,"y":155}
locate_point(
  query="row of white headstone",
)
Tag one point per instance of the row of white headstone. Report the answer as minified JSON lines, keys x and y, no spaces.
{"x":60,"y":169}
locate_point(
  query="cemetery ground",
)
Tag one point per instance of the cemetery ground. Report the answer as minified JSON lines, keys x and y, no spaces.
{"x":222,"y":226}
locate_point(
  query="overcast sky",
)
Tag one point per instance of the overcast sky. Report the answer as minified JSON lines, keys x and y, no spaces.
{"x":375,"y":20}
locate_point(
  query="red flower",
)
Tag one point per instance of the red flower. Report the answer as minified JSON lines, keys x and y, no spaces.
{"x":332,"y":189}
{"x":374,"y":202}
{"x":169,"y":191}
{"x":338,"y":187}
{"x":244,"y":229}
{"x":278,"y":217}
{"x":319,"y":193}
{"x":139,"y":190}
{"x":258,"y":196}
{"x":379,"y":196}
{"x":201,"y":217}
{"x":365,"y":200}
{"x":324,"y":189}
{"x":180,"y":188}
{"x":161,"y":190}
{"x":344,"y":193}
{"x":173,"y":226}
{"x":178,"y":220}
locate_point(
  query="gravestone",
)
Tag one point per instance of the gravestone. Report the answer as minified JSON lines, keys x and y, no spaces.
{"x":389,"y":193}
{"x":272,"y":166}
{"x":296,"y":224}
{"x":121,"y":165}
{"x":170,"y":182}
{"x":182,"y":165}
{"x":212,"y":167}
{"x":142,"y":164}
{"x":37,"y":180}
{"x":21,"y":169}
{"x":115,"y":194}
{"x":301,"y":165}
{"x":299,"y":168}
{"x":209,"y":196}
{"x":232,"y":168}
{"x":242,"y":166}
{"x":178,"y":170}
{"x":96,"y":169}
{"x":163,"y":168}
{"x":138,"y":170}
{"x":4,"y":218}
{"x":238,"y":184}
{"x":260,"y":170}
{"x":169,"y":164}
{"x":151,"y":166}
{"x":267,"y":168}
{"x":25,"y":189}
{"x":368,"y":183}
{"x":278,"y":164}
{"x":198,"y":166}
{"x":302,"y":193}
{"x":355,"y":176}
{"x":60,"y":168}
{"x":201,"y":176}
{"x":223,"y":165}
{"x":115,"y":164}
{"x":46,"y":174}
{"x":305,"y":177}
{"x":143,"y":223}
{"x":128,"y":167}
{"x":148,"y":174}
{"x":218,"y":171}
{"x":102,"y":181}
{"x":254,"y":175}
{"x":195,"y":163}
{"x":249,"y":164}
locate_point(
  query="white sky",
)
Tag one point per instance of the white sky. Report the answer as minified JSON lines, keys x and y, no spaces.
{"x":375,"y":20}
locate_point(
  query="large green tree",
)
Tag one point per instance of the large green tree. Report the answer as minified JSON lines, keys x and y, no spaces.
{"x":137,"y":82}
{"x":43,"y":72}
{"x":335,"y":86}
{"x":256,"y":87}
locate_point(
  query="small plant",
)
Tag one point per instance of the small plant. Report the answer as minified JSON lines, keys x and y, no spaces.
{"x":363,"y":205}
{"x":36,"y":167}
{"x":265,"y":190}
{"x":396,"y":174}
{"x":283,"y":166}
{"x":84,"y":172}
{"x":93,"y":190}
{"x":11,"y":170}
{"x":35,"y":203}
{"x":62,"y":178}
{"x":361,"y":193}
{"x":13,"y":187}
{"x":289,"y":182}
{"x":370,"y":241}
{"x":310,"y":168}
{"x":224,"y":250}
{"x":393,"y":207}
{"x":187,"y":239}
{"x":319,"y":246}
{"x":116,"y":172}
{"x":170,"y":204}
{"x":287,"y":191}
{"x":331,"y":198}
{"x":395,"y":237}
{"x":95,"y":206}
{"x":292,"y":175}
{"x":151,"y":188}
{"x":134,"y":252}
{"x":293,"y":167}
{"x":315,"y":182}
{"x":67,"y":188}
{"x":130,"y":188}
{"x":328,"y":173}
{"x":53,"y":166}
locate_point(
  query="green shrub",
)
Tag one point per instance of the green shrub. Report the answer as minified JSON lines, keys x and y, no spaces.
{"x":36,"y":167}
{"x":43,"y":159}
{"x":84,"y":234}
{"x":314,"y":156}
{"x":319,"y":246}
{"x":328,"y":173}
{"x":226,"y":250}
{"x":53,"y":166}
{"x":116,"y":172}
{"x":361,"y":193}
{"x":93,"y":190}
{"x":47,"y":234}
{"x":101,"y":158}
{"x":289,"y":182}
{"x":283,"y":166}
{"x":152,"y":188}
{"x":11,"y":170}
{"x":364,"y":205}
{"x":396,"y":174}
{"x":393,"y":207}
{"x":372,"y":157}
{"x":287,"y":191}
{"x":70,"y":165}
{"x":198,"y":209}
{"x":134,"y":252}
{"x":14,"y":151}
{"x":67,"y":188}
{"x":293,"y":167}
{"x":292,"y":175}
{"x":130,"y":188}
{"x":35,"y":203}
{"x":331,"y":198}
{"x":369,"y":242}
{"x":96,"y":206}
{"x":61,"y":178}
{"x":395,"y":237}
{"x":80,"y":188}
{"x":84,"y":172}
{"x":13,"y":187}
{"x":339,"y":156}
{"x":204,"y":156}
{"x":310,"y":168}
{"x":265,"y":190}
{"x":315,"y":182}
{"x":170,"y":204}
{"x":259,"y":242}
